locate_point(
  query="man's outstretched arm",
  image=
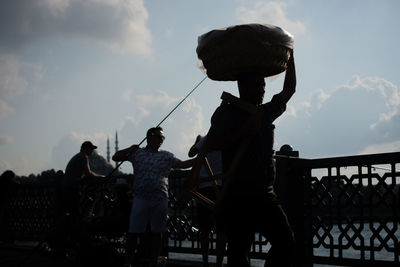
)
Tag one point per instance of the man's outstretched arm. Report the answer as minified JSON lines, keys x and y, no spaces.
{"x":184,"y":164}
{"x":88,"y":173}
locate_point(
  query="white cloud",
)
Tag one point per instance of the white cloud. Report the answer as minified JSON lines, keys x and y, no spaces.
{"x":270,"y":13}
{"x":157,"y":99}
{"x":317,"y":99}
{"x":57,"y":7}
{"x":126,"y":95}
{"x":186,"y":125}
{"x":145,"y":104}
{"x":5,"y":109}
{"x":6,"y":140}
{"x":387,"y":91}
{"x":140,"y":114}
{"x":21,"y":166}
{"x":341,"y":122}
{"x":169,"y":32}
{"x":17,"y":77}
{"x":5,"y":165}
{"x":118,"y":24}
{"x":381,"y":148}
{"x":291,"y":111}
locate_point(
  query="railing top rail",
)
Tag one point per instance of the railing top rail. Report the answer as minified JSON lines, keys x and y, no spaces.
{"x":359,"y":160}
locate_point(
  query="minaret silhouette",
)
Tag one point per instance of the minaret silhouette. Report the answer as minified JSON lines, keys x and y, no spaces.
{"x":108,"y":149}
{"x":116,"y":145}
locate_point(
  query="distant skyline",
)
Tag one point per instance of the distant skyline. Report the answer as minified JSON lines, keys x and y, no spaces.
{"x":74,"y":70}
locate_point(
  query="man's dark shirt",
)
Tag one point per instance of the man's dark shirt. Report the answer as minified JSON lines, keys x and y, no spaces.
{"x":75,"y":170}
{"x":256,"y":170}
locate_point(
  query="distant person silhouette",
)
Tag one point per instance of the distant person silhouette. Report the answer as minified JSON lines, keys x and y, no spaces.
{"x":8,"y":182}
{"x":150,"y":192}
{"x":249,"y":204}
{"x":77,"y":169}
{"x":8,"y":178}
{"x":206,"y":217}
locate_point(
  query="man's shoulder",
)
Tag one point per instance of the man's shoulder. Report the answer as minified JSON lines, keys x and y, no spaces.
{"x":140,"y":150}
{"x":78,"y":157}
{"x":166,"y":153}
{"x":228,"y":114}
{"x":146,"y":153}
{"x":76,"y":162}
{"x":226,"y":110}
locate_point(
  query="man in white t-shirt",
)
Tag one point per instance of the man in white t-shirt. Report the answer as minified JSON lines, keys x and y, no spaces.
{"x":150,"y":187}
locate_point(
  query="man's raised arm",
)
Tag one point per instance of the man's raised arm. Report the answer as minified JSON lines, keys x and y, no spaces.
{"x":289,"y":85}
{"x":123,"y":155}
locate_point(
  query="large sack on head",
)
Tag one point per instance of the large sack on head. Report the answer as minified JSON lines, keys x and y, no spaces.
{"x":227,"y":52}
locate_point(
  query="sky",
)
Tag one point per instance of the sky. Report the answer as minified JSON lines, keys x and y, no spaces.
{"x":76,"y":70}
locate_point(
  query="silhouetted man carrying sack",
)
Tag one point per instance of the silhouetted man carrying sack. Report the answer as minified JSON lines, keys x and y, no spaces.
{"x":248,"y":203}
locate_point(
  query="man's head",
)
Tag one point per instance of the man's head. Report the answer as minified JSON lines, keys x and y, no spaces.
{"x":87,"y":147}
{"x":8,"y":177}
{"x":155,"y":137}
{"x":251,"y":87}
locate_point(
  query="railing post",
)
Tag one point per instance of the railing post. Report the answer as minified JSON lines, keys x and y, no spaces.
{"x":289,"y":185}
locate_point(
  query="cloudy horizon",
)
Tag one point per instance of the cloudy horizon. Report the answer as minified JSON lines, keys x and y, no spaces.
{"x":73,"y":70}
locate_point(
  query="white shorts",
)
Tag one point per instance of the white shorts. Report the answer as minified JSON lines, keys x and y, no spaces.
{"x":146,"y":211}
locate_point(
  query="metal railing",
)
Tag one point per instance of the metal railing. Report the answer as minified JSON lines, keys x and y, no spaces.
{"x":343,"y":210}
{"x":350,"y":210}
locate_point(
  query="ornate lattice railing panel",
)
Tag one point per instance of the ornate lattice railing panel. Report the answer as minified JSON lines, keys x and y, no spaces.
{"x":31,"y":212}
{"x":354,"y":203}
{"x":183,"y":227}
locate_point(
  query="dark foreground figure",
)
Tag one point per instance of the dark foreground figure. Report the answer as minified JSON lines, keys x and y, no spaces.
{"x":248,"y":203}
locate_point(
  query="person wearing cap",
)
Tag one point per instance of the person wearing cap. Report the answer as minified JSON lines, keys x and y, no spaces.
{"x":77,"y":168}
{"x":150,"y":192}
